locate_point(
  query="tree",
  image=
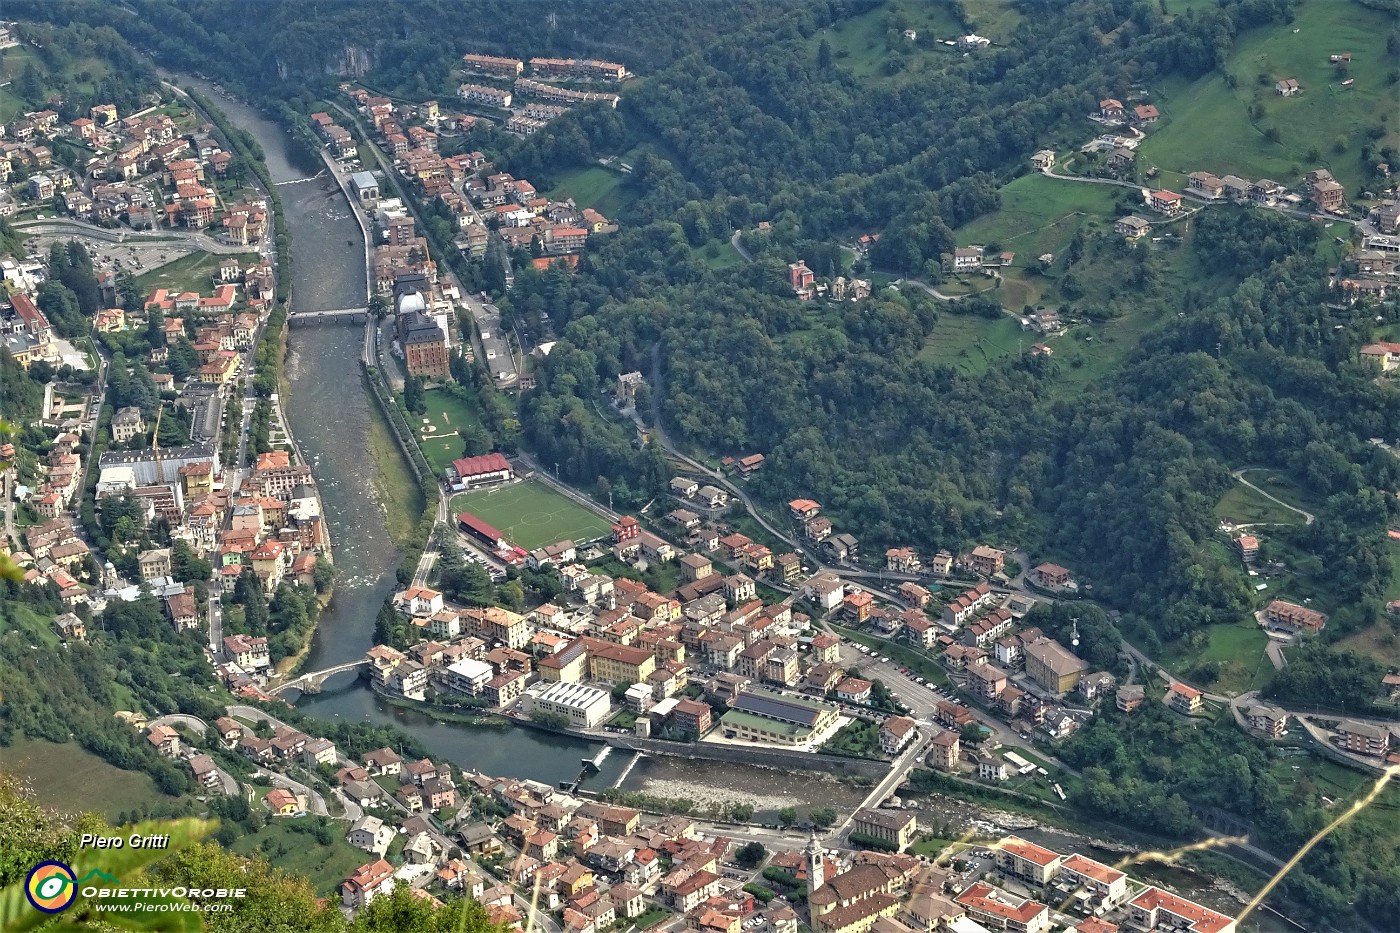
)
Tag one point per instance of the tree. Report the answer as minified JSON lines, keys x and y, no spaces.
{"x":30,"y":85}
{"x":823,"y":817}
{"x":155,"y":327}
{"x":185,"y":565}
{"x":787,"y":816}
{"x":323,"y":574}
{"x":413,"y":398}
{"x":750,"y":854}
{"x":403,"y":910}
{"x":824,"y":55}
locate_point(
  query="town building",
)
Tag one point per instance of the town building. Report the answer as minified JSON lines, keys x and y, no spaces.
{"x":485,"y":470}
{"x":1184,"y":699}
{"x":1155,"y":909}
{"x":1291,"y":617}
{"x":893,"y":826}
{"x":759,"y":715}
{"x":1053,"y":668}
{"x":584,"y":706}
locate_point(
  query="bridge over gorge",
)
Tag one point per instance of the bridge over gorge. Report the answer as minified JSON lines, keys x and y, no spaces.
{"x":311,"y":682}
{"x":348,"y":315}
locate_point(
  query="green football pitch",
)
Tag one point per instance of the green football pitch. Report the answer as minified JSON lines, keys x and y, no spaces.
{"x":531,"y":514}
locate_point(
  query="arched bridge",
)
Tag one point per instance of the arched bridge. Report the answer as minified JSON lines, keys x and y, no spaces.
{"x":311,"y":682}
{"x":349,"y":315}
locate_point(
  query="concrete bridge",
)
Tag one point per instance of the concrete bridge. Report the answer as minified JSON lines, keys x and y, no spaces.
{"x":349,"y":315}
{"x":311,"y":682}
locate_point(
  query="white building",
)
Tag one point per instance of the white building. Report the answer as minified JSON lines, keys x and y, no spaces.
{"x":468,"y":676}
{"x":370,"y":833}
{"x":584,"y":706}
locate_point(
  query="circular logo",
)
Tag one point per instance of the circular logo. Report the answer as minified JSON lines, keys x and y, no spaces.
{"x":51,"y":887}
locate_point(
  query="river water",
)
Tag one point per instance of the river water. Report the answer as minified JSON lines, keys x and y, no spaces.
{"x":330,"y":414}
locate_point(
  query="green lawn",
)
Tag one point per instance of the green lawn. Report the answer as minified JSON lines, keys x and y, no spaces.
{"x":718,"y":254}
{"x":596,"y":187}
{"x":35,"y":626}
{"x":70,"y":778}
{"x":437,"y":427}
{"x":531,"y":514}
{"x":861,"y":43}
{"x":1041,"y":215}
{"x":1207,"y":124}
{"x":300,"y":853}
{"x":193,"y":272}
{"x":1285,"y":487}
{"x":1243,"y":506}
{"x":858,"y":738}
{"x":1237,"y":650}
{"x":971,"y":344}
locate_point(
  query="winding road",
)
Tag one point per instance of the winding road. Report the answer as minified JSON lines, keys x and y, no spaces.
{"x":1308,"y":517}
{"x":199,"y":241}
{"x":197,"y":725}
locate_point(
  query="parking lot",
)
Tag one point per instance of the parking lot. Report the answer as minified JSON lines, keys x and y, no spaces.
{"x":136,"y":257}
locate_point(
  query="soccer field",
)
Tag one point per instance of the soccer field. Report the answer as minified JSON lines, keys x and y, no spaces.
{"x":532,"y":514}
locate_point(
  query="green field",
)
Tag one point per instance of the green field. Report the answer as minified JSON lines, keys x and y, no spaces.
{"x":971,"y":344}
{"x":595,"y":187}
{"x":193,"y":272}
{"x":71,"y":778}
{"x":1243,"y":506}
{"x":1283,"y":486}
{"x":437,"y":427}
{"x":1208,"y":125}
{"x":531,"y":514}
{"x":1041,"y":215}
{"x":33,"y":625}
{"x":861,"y":43}
{"x":1237,"y":651}
{"x":299,"y":852}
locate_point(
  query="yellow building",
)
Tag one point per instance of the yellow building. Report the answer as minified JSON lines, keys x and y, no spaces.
{"x":618,"y":663}
{"x":1052,"y":667}
{"x":894,"y":826}
{"x":567,"y":665}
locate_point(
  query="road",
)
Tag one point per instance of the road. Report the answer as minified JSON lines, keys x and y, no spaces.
{"x":899,"y":770}
{"x":216,"y":622}
{"x":193,"y":723}
{"x":923,"y":699}
{"x":315,"y":803}
{"x":228,"y":782}
{"x":56,"y":227}
{"x":1190,"y":195}
{"x":737,"y":242}
{"x":9,"y":473}
{"x":1308,"y":517}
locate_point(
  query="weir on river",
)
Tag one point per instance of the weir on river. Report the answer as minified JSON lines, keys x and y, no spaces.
{"x":330,"y":412}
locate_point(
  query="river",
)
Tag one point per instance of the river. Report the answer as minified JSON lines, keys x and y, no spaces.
{"x":330,"y":415}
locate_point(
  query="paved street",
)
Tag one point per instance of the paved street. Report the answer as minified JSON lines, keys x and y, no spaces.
{"x":227,"y":781}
